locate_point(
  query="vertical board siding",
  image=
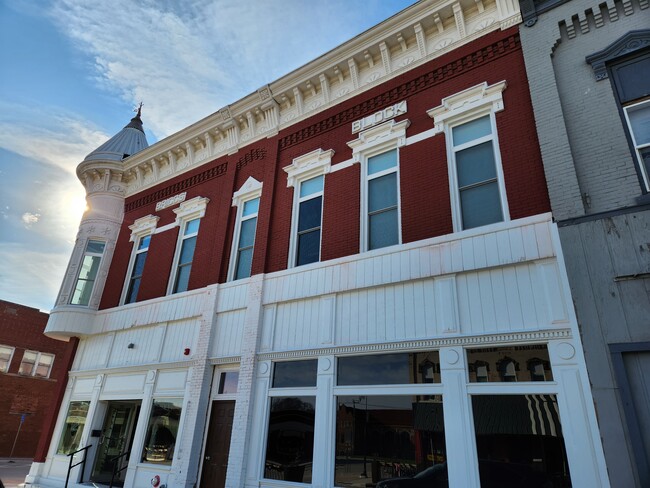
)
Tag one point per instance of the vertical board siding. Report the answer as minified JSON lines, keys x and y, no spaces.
{"x":177,"y":337}
{"x":146,"y":341}
{"x":509,"y":244}
{"x":95,"y":351}
{"x":297,"y":324}
{"x":167,"y":309}
{"x":227,"y":339}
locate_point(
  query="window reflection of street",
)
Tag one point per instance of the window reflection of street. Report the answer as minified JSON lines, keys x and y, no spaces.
{"x":380,"y":437}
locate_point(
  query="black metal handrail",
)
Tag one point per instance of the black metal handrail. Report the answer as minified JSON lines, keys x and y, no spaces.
{"x":83,"y":461}
{"x":115,"y":464}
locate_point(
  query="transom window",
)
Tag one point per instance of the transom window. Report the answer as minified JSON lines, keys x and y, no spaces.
{"x":383,"y":204}
{"x":186,"y":256}
{"x":88,"y":273}
{"x":476,"y":173}
{"x":138,"y":267}
{"x":309,"y":221}
{"x":509,"y":364}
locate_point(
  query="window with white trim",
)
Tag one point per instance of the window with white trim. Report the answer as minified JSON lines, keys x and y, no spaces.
{"x":88,"y":273}
{"x":377,"y":150}
{"x":188,"y":218}
{"x":307,"y":176}
{"x":137,"y":267}
{"x":309,"y":214}
{"x":6,"y":353}
{"x":476,"y":180}
{"x":186,"y":255}
{"x":36,"y":363}
{"x":632,"y":89}
{"x":141,"y":232}
{"x":473,"y":153}
{"x":247,"y":201}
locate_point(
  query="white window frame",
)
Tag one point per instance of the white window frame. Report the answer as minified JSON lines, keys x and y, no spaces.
{"x":373,"y":142}
{"x":141,"y":228}
{"x":458,"y":109}
{"x":250,"y":190}
{"x":638,"y":147}
{"x":11,"y":357}
{"x":81,"y":261}
{"x":187,"y":211}
{"x":311,"y":165}
{"x":37,"y":361}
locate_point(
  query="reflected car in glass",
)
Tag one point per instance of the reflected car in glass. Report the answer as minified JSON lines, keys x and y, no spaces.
{"x":493,"y":474}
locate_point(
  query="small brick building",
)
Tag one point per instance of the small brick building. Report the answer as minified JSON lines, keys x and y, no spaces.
{"x":33,"y":375}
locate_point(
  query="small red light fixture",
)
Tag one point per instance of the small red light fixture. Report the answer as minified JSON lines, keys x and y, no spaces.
{"x":186,"y":351}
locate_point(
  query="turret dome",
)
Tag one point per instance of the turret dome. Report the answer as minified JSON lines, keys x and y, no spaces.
{"x":130,"y":140}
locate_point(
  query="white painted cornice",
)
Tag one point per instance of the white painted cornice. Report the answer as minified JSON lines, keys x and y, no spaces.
{"x":416,"y":35}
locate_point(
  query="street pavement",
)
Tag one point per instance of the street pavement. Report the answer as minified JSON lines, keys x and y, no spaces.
{"x":13,"y":472}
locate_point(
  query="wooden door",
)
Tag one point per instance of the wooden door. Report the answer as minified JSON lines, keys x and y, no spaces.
{"x":217,"y":445}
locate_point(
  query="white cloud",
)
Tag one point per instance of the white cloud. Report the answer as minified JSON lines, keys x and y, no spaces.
{"x":188,"y":59}
{"x":29,"y":219}
{"x":60,"y":140}
{"x":31,"y":275}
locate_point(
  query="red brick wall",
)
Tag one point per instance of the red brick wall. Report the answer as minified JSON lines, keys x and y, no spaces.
{"x":22,"y":328}
{"x":424,"y":183}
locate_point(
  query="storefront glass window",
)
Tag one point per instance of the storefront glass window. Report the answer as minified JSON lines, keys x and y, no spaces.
{"x":162,"y":431}
{"x":519,"y":441}
{"x":293,"y":374}
{"x":290,"y":441}
{"x":397,"y":437}
{"x":73,"y":428}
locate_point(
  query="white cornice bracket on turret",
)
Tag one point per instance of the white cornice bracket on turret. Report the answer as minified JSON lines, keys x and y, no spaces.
{"x":385,"y":57}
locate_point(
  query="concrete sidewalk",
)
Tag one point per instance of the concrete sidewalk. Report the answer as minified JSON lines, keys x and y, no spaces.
{"x":12,"y":473}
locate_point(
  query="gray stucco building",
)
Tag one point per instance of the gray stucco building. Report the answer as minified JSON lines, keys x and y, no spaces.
{"x":588,"y":65}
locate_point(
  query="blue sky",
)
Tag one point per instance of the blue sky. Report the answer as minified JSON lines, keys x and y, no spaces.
{"x":73,"y":70}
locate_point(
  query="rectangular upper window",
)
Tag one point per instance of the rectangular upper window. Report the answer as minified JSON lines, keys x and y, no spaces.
{"x":6,"y":353}
{"x":308,"y":222}
{"x":246,"y":239}
{"x":383,"y":200}
{"x":185,"y":257}
{"x":36,"y":364}
{"x":137,"y":268}
{"x":88,"y":273}
{"x":473,"y":153}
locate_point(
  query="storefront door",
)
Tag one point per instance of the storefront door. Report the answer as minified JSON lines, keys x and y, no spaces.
{"x":116,"y":440}
{"x":217,"y":447}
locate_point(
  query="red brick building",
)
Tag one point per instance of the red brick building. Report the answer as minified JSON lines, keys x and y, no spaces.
{"x":33,"y":376}
{"x":313,"y":284}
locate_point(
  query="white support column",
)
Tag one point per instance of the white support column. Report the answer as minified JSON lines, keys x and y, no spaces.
{"x":325,"y":425}
{"x":197,"y":397}
{"x":581,"y":436}
{"x":254,"y":461}
{"x":462,"y":463}
{"x":243,"y":442}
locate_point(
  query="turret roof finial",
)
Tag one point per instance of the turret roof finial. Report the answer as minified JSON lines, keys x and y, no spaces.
{"x":139,"y":109}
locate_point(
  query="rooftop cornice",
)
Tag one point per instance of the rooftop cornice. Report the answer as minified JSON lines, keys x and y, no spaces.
{"x":410,"y":38}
